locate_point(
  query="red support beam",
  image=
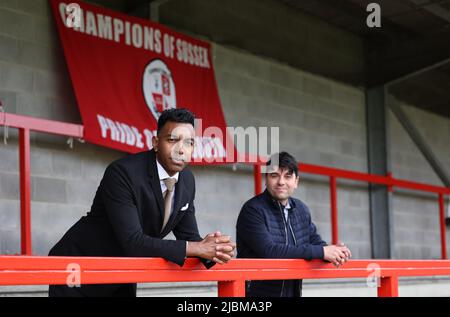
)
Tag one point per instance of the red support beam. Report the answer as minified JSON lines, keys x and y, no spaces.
{"x":442,"y":227}
{"x":34,"y":270}
{"x":371,"y":178}
{"x":41,"y":125}
{"x":388,"y":287}
{"x":231,"y":288}
{"x":25,"y":191}
{"x":390,"y":187}
{"x":334,"y":211}
{"x":257,"y":176}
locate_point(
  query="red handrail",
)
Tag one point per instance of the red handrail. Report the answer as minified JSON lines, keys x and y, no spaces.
{"x":231,"y":277}
{"x":26,"y":124}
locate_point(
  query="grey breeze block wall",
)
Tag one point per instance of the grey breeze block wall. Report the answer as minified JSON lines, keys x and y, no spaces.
{"x":416,"y":215}
{"x":321,"y":122}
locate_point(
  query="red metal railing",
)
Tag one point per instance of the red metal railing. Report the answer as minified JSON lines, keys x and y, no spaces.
{"x":26,"y":124}
{"x":231,"y":277}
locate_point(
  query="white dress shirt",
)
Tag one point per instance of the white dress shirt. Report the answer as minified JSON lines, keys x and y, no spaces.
{"x":162,"y":173}
{"x":286,"y":210}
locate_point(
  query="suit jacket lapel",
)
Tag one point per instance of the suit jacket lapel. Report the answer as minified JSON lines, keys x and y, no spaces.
{"x":179,"y":192}
{"x":155,"y":181}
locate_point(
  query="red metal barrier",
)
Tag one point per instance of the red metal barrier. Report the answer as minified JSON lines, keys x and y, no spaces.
{"x":25,"y":191}
{"x":389,"y":181}
{"x":26,"y":124}
{"x":334,"y":210}
{"x":442,"y":226}
{"x":231,"y":277}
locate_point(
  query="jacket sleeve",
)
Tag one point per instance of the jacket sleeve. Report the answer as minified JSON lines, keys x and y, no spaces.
{"x":187,"y":229}
{"x":120,"y":203}
{"x":251,"y":229}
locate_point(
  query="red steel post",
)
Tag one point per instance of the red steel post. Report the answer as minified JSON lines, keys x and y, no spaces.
{"x":334,"y":210}
{"x":442,"y":227}
{"x":25,"y":191}
{"x":388,"y":287}
{"x":231,"y":288}
{"x":257,"y":176}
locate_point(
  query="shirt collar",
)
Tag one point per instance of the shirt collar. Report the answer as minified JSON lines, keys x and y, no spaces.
{"x":162,"y":173}
{"x":288,"y":206}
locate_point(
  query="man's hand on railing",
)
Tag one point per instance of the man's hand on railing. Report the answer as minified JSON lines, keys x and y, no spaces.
{"x":215,"y":246}
{"x":336,"y":254}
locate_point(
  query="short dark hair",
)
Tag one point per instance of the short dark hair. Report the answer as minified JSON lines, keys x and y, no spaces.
{"x":175,"y":115}
{"x":285,"y":161}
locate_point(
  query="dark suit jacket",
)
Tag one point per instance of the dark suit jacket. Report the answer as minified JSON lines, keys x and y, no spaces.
{"x":127,"y":215}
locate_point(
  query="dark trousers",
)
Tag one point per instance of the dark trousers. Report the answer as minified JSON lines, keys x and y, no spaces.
{"x":93,"y":290}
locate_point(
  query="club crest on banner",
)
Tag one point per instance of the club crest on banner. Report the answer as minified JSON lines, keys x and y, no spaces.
{"x":158,"y":88}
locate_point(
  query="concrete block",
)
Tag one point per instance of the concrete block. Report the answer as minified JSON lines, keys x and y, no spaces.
{"x":51,"y":84}
{"x":348,"y":96}
{"x":49,"y":141}
{"x":94,"y":160}
{"x":30,"y":104}
{"x":351,"y":148}
{"x":81,"y":193}
{"x":305,"y":102}
{"x":252,"y":66}
{"x":48,"y":190}
{"x":280,"y":75}
{"x":9,"y":214}
{"x":45,"y":234}
{"x":10,"y":241}
{"x":254,"y":88}
{"x":66,"y":164}
{"x":9,"y":186}
{"x":231,"y":82}
{"x":15,"y":77}
{"x":36,"y":55}
{"x":41,"y":163}
{"x":9,"y":101}
{"x":38,"y":8}
{"x":8,"y":48}
{"x":287,"y":96}
{"x":316,"y":87}
{"x":265,"y":92}
{"x":286,"y":117}
{"x":431,"y":237}
{"x":46,"y":33}
{"x":16,"y":24}
{"x":9,"y":157}
{"x":65,"y":109}
{"x":10,"y":4}
{"x":320,"y":214}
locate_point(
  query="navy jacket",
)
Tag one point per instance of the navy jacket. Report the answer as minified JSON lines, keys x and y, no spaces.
{"x":262,"y":232}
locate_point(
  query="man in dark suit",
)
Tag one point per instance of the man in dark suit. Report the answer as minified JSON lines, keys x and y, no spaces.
{"x":141,"y":199}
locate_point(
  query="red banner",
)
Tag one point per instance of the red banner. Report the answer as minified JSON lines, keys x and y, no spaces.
{"x":126,"y":71}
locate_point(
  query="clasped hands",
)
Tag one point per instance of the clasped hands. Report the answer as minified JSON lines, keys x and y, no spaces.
{"x":337,"y":254}
{"x":215,"y":247}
